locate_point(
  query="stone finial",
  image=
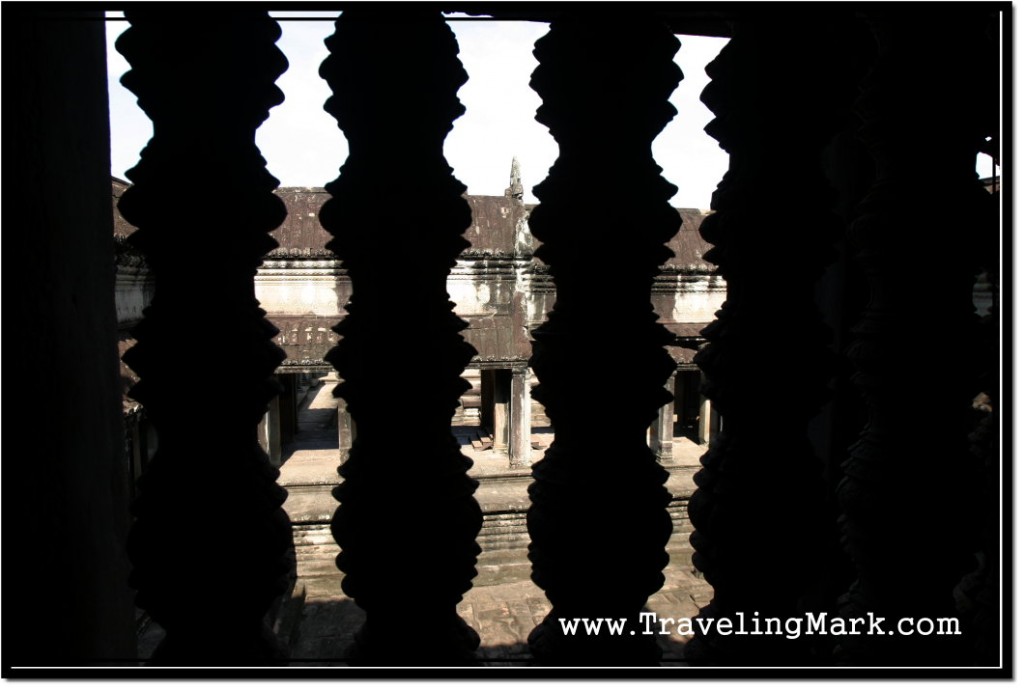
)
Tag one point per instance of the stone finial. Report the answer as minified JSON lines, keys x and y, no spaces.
{"x":515,"y":182}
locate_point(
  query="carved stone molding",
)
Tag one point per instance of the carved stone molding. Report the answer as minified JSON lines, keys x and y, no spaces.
{"x":300,"y":253}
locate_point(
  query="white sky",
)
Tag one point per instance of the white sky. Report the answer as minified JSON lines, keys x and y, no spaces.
{"x":304,"y":147}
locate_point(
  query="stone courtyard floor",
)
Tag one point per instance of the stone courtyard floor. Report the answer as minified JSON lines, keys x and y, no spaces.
{"x":502,"y":611}
{"x":502,"y":614}
{"x":319,"y":622}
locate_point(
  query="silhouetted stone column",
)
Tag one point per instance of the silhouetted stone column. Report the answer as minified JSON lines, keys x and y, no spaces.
{"x":664,"y":425}
{"x":907,"y":493}
{"x":779,"y":90}
{"x":519,"y":419}
{"x":206,"y":86}
{"x":598,"y":521}
{"x":394,"y":77}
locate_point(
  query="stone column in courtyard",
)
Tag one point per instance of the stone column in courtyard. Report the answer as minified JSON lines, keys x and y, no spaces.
{"x":502,"y":394}
{"x":206,"y":85}
{"x":664,"y":425}
{"x":407,"y":522}
{"x":520,"y":414}
{"x":707,"y":422}
{"x":346,"y":426}
{"x":598,"y":522}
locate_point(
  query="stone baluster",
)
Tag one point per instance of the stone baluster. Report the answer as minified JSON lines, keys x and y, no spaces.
{"x":979,"y":598}
{"x":408,"y":520}
{"x":598,"y":519}
{"x":210,"y":542}
{"x":980,"y":606}
{"x":779,"y":91}
{"x":908,"y":491}
{"x":520,"y":419}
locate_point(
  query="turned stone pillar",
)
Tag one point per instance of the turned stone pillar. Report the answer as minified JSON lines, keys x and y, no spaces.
{"x":206,"y":86}
{"x":520,"y":419}
{"x":406,"y":522}
{"x":598,"y":522}
{"x":663,"y":426}
{"x":779,"y":90}
{"x":67,"y":601}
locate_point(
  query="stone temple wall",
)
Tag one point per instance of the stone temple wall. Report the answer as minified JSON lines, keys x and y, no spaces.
{"x":497,"y":285}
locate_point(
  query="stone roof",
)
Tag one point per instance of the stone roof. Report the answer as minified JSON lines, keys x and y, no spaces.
{"x":494,"y":224}
{"x":301,"y":229}
{"x":689,"y":247}
{"x":493,"y":230}
{"x":492,"y":233}
{"x":121,"y":226}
